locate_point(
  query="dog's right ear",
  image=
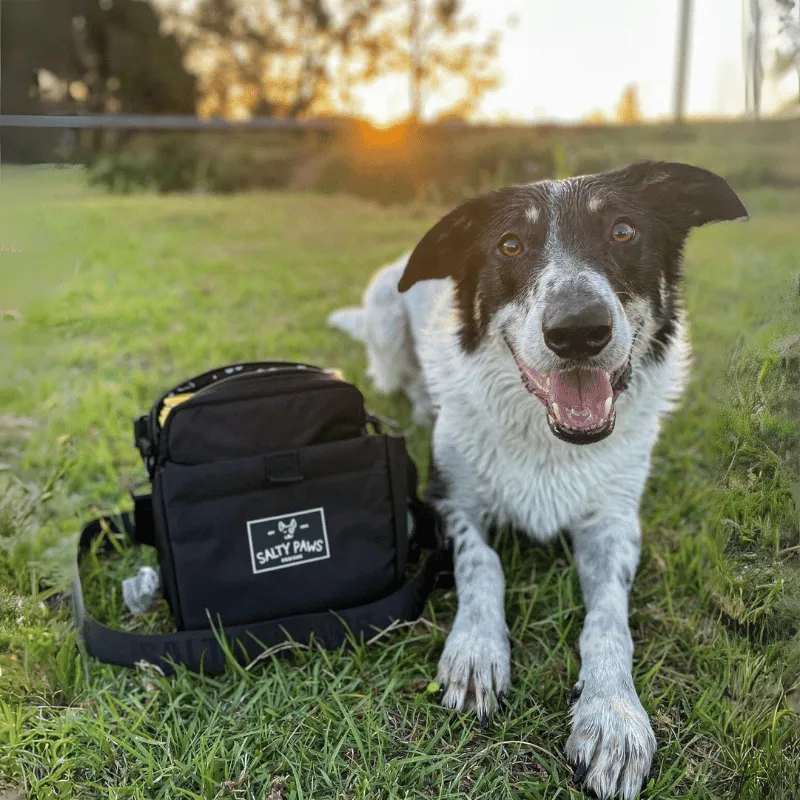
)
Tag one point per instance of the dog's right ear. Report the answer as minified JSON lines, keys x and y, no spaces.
{"x":444,"y":251}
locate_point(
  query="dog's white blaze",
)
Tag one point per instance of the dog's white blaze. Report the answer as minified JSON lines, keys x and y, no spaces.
{"x":532,"y":214}
{"x":594,"y":204}
{"x":526,"y":323}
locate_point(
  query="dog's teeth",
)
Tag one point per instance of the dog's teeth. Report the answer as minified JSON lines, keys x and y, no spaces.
{"x":609,"y":402}
{"x":556,"y":412}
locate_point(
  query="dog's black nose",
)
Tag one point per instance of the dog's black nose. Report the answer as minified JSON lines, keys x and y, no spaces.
{"x":578,"y":331}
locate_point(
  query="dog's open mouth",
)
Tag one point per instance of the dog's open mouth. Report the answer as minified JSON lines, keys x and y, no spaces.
{"x":579,"y":402}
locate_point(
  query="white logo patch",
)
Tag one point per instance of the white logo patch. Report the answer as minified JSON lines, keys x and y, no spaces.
{"x":288,"y":540}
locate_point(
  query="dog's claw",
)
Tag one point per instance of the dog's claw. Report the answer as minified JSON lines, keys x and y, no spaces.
{"x":502,"y":705}
{"x":576,"y":692}
{"x":483,"y":705}
{"x":579,"y":773}
{"x":475,"y":671}
{"x":611,"y":745}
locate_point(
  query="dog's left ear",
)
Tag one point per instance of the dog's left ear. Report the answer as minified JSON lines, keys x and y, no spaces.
{"x":691,"y":196}
{"x":445,"y":250}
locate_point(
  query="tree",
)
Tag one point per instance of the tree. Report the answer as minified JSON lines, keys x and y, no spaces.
{"x":682,"y":62}
{"x":112,"y":54}
{"x":754,"y":69}
{"x":295,"y":58}
{"x":596,"y":117}
{"x":789,"y":16}
{"x":286,"y":58}
{"x":34,"y":36}
{"x":439,"y":49}
{"x":628,"y":110}
{"x":128,"y":63}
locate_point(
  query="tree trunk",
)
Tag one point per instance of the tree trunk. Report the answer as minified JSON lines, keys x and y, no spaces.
{"x":754,"y":68}
{"x":415,"y":51}
{"x":682,"y":63}
{"x":790,"y":21}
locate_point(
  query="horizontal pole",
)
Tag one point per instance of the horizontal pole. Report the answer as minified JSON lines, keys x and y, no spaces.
{"x":161,"y":122}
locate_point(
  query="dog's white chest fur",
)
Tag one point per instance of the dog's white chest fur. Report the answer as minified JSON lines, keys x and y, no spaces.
{"x":493,"y":434}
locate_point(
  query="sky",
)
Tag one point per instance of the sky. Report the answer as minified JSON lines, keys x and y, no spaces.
{"x":567,"y":58}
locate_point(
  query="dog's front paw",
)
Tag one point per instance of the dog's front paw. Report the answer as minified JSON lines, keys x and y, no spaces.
{"x":612,"y":744}
{"x":475,"y":670}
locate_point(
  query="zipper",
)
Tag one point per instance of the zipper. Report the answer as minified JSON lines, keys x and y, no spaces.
{"x":238,"y":371}
{"x":162,"y":454}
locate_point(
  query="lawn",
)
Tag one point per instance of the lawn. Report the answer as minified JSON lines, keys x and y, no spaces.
{"x":114,"y":298}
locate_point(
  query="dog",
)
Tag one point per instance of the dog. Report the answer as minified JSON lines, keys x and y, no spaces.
{"x":541,"y":328}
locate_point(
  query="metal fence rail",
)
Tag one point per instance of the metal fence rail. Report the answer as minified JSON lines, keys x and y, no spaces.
{"x":168,"y":122}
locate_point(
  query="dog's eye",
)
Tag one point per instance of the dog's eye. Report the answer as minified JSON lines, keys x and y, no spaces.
{"x":510,"y":245}
{"x":622,"y":232}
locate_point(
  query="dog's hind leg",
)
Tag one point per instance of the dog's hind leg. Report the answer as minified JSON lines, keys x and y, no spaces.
{"x":384,"y":326}
{"x":612,"y":743}
{"x":389,"y":359}
{"x":417,"y":393}
{"x":475,"y":666}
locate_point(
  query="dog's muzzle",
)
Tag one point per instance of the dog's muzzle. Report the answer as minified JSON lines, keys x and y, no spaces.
{"x":579,"y":402}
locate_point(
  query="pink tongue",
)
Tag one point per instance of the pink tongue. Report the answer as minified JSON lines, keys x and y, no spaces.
{"x":578,"y":398}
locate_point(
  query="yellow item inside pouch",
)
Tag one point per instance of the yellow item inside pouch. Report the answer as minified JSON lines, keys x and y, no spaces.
{"x":170,"y":403}
{"x":176,"y":399}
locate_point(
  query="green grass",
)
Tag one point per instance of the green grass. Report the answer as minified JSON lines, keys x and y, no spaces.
{"x":167,"y":286}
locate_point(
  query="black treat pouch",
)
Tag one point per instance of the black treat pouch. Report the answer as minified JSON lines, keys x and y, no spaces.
{"x":279,"y":509}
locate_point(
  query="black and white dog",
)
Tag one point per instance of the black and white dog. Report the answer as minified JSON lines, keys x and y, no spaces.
{"x":529,"y":321}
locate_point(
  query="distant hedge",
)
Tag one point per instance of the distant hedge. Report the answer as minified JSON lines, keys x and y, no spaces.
{"x":441,"y":163}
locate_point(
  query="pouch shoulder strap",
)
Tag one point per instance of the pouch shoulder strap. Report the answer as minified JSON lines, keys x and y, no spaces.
{"x":203,"y":649}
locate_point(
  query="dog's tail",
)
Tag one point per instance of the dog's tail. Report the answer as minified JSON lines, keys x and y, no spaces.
{"x":382,"y":325}
{"x":351,"y":320}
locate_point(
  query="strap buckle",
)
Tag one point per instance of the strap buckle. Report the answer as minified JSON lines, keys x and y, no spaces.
{"x":141,"y":437}
{"x":143,"y":443}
